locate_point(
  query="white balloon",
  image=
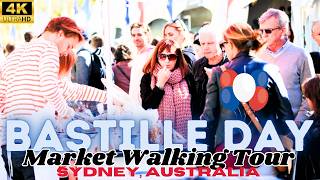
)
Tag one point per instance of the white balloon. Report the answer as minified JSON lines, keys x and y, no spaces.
{"x":244,"y":87}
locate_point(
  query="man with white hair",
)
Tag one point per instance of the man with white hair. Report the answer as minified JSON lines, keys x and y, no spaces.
{"x":213,"y":56}
{"x":294,"y":63}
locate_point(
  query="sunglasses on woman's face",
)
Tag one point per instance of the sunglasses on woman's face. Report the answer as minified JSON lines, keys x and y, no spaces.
{"x":171,"y":57}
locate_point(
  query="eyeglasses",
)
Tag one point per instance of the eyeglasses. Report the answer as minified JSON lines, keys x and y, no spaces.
{"x":269,"y":31}
{"x":222,"y":45}
{"x":171,"y":57}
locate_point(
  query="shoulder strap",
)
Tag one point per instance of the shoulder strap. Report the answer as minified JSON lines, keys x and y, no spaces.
{"x":97,"y":53}
{"x":252,"y":117}
{"x":83,"y":49}
{"x":122,"y":72}
{"x":286,"y":141}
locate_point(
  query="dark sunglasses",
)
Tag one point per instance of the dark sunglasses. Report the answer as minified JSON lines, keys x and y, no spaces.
{"x":171,"y":57}
{"x":268,"y":31}
{"x":222,"y":45}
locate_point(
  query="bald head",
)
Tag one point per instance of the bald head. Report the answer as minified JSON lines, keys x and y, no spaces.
{"x":316,"y":31}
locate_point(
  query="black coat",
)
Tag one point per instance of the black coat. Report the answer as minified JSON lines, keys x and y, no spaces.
{"x":316,"y":61}
{"x":201,"y":80}
{"x":151,"y":98}
{"x":308,"y":160}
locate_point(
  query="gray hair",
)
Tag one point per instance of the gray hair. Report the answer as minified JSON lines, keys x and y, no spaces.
{"x":208,"y":28}
{"x":280,"y":15}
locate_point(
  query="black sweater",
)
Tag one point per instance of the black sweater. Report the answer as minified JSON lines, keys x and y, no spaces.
{"x":201,"y":80}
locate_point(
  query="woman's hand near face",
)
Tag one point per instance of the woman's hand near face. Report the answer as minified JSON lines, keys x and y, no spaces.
{"x":163,"y":76}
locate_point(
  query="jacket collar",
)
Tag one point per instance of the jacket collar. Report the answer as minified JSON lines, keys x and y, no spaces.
{"x":241,"y":55}
{"x":241,"y":59}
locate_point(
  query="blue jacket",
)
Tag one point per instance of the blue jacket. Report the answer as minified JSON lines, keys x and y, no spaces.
{"x":277,"y":109}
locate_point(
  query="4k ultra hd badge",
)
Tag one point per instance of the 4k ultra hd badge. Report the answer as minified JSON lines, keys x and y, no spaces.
{"x":16,"y":11}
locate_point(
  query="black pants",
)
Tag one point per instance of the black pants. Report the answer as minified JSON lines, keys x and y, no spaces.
{"x":19,"y":172}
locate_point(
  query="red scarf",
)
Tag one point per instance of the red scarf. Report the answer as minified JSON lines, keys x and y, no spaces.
{"x":176,"y":101}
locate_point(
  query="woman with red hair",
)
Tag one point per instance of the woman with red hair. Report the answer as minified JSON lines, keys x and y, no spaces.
{"x":167,"y":85}
{"x":31,"y":83}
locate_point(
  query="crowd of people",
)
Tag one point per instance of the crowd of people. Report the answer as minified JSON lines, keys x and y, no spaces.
{"x":172,"y":76}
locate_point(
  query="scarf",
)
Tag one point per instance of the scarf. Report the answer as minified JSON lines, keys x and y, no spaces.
{"x":176,"y":101}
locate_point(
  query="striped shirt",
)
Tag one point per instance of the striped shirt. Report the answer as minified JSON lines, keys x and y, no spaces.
{"x":29,"y":81}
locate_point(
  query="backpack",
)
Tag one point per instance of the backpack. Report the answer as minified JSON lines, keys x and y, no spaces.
{"x":189,"y":55}
{"x":97,"y":70}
